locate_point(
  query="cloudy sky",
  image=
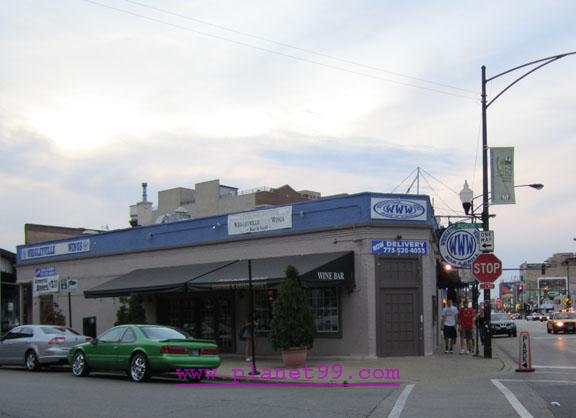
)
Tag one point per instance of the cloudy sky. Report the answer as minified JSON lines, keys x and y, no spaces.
{"x":328,"y":95}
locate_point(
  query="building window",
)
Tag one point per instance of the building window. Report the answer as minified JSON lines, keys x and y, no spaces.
{"x":325,"y":304}
{"x":263,"y":300}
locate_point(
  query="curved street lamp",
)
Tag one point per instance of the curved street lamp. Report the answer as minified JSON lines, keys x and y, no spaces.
{"x":467,"y":196}
{"x":485,"y":207}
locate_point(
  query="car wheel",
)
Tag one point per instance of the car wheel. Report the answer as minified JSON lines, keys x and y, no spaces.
{"x":549,"y":331}
{"x":31,"y":361}
{"x":79,"y":366}
{"x":139,"y":368}
{"x":555,"y":331}
{"x":514,"y":334}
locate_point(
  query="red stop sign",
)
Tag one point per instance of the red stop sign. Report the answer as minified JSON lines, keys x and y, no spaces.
{"x":487,"y":267}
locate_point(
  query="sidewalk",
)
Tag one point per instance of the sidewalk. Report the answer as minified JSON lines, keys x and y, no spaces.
{"x":389,"y":370}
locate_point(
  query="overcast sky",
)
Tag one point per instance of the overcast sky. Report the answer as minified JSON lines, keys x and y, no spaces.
{"x":327,"y":95}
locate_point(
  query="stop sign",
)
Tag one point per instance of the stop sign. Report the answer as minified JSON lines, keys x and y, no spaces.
{"x":487,"y":267}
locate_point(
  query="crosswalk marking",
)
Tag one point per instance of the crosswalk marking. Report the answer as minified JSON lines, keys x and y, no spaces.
{"x":401,"y":402}
{"x":512,"y":399}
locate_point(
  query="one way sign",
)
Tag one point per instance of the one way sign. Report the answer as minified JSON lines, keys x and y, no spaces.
{"x":487,"y":240}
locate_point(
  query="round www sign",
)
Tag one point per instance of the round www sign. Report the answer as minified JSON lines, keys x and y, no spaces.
{"x":460,"y":245}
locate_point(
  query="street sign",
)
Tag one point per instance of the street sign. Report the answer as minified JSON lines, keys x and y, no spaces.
{"x":486,"y":285}
{"x":487,"y":267}
{"x":460,"y":245}
{"x":487,"y":240}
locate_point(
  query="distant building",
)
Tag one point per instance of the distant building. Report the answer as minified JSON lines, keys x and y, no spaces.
{"x":558,"y":273}
{"x":210,"y":198}
{"x":34,"y":233}
{"x":9,"y":300}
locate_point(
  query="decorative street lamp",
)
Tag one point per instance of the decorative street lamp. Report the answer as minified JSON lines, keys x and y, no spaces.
{"x":467,"y":198}
{"x":485,"y":207}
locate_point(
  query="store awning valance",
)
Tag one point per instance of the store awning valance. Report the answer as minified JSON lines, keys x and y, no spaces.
{"x":153,"y":280}
{"x":316,"y":270}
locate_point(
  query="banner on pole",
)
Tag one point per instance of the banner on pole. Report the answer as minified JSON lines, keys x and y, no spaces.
{"x":502,"y":175}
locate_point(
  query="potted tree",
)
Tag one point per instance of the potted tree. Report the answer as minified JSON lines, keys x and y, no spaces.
{"x":292,"y":327}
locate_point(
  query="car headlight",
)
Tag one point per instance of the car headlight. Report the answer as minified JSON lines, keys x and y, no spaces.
{"x":560,"y":323}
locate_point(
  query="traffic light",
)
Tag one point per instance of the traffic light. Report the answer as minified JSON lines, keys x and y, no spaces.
{"x":546,"y":288}
{"x":520,"y":288}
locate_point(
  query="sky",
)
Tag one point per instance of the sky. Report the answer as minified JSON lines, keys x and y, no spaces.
{"x":327,"y":95}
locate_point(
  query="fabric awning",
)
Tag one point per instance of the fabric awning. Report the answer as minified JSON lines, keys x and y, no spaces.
{"x":154,"y":280}
{"x":316,"y":270}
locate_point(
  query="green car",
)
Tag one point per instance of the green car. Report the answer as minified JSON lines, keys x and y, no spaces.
{"x":143,"y":350}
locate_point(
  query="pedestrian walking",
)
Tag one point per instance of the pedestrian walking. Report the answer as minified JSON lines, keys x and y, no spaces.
{"x":449,"y":321}
{"x":466,"y":317}
{"x":481,"y":323}
{"x":246,"y":333}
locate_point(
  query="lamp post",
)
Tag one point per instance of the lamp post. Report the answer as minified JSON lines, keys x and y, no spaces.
{"x":467,"y":198}
{"x":485,"y":207}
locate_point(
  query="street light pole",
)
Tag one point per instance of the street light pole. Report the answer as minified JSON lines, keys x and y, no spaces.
{"x":485,"y":214}
{"x":485,"y":206}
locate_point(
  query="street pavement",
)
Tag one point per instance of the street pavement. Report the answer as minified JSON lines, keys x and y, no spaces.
{"x":337,"y":370}
{"x":439,"y":385}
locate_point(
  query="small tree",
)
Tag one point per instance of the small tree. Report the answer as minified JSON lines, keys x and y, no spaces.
{"x":292,"y":320}
{"x":136,"y":311}
{"x":53,"y":315}
{"x":131,"y":311}
{"x":122,"y":313}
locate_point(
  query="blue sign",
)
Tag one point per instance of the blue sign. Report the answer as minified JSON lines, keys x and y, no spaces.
{"x":55,"y":249}
{"x":459,"y":245}
{"x":400,"y":247}
{"x":398,"y":209}
{"x":45,"y":272}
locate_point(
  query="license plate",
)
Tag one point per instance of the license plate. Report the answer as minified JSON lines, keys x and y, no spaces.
{"x":194,"y":352}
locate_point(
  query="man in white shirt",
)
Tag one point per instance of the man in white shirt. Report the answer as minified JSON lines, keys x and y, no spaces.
{"x":449,"y":321}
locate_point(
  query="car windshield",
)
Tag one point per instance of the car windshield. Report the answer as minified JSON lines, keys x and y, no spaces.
{"x":566,"y":315}
{"x":499,"y":317}
{"x":164,"y":333}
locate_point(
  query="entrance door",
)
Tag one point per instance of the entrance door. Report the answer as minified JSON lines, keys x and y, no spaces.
{"x":399,"y":323}
{"x":398,"y":299}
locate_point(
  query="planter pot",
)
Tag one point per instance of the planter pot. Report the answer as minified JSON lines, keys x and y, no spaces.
{"x":294,"y":357}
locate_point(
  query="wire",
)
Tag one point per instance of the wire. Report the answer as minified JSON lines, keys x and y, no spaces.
{"x":438,"y":195}
{"x":441,"y":182}
{"x":309,"y":61}
{"x":309,"y":51}
{"x":402,"y":182}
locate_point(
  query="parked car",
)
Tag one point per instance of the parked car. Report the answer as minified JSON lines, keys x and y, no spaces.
{"x":144,"y":350}
{"x":34,"y":346}
{"x":500,"y":323}
{"x":562,"y":322}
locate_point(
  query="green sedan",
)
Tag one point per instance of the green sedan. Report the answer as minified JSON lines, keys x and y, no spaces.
{"x":143,"y":350}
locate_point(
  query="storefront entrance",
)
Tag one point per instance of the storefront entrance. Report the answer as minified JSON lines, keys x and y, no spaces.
{"x":400,"y":330}
{"x":203,"y":315}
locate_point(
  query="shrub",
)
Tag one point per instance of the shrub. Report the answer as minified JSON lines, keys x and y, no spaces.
{"x":292,"y":320}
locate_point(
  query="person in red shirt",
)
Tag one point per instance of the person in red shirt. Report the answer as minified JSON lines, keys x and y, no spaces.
{"x":466,"y":318}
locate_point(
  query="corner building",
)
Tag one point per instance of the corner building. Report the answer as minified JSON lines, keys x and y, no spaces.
{"x":369,"y":261}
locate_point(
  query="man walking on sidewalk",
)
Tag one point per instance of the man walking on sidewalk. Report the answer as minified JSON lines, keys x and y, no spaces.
{"x":449,"y":320}
{"x":466,"y":316}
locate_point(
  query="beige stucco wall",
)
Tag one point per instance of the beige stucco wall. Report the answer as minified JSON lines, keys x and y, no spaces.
{"x":358,"y":307}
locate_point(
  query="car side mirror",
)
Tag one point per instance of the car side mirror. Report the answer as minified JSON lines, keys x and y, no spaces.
{"x":94,"y":341}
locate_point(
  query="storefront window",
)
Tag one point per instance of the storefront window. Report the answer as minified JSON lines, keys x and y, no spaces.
{"x":263,"y":300}
{"x":325,"y":307}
